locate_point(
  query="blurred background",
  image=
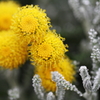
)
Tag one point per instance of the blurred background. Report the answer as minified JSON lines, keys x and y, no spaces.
{"x":66,"y":24}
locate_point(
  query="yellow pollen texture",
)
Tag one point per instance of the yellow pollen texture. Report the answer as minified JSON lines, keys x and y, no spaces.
{"x":5,"y":51}
{"x":28,"y":24}
{"x":45,"y":50}
{"x":5,"y":21}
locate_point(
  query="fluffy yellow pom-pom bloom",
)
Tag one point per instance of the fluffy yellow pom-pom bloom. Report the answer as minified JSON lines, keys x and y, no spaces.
{"x":30,"y":20}
{"x":13,"y":50}
{"x":50,"y":50}
{"x":64,"y":67}
{"x":7,"y":9}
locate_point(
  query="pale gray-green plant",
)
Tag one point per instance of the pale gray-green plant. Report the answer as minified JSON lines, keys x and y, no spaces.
{"x":61,"y":84}
{"x":14,"y":93}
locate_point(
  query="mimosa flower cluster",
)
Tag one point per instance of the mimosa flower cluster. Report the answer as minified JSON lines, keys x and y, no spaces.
{"x":30,"y":37}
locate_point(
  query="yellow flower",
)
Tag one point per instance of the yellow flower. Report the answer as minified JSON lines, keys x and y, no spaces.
{"x":29,"y":24}
{"x":64,"y":67}
{"x":30,"y":20}
{"x":7,"y":9}
{"x":13,"y":50}
{"x":50,"y":50}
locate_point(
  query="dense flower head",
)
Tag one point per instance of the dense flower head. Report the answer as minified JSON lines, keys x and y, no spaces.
{"x":13,"y":50}
{"x":64,"y":67}
{"x":30,"y":20}
{"x":7,"y":9}
{"x":50,"y":50}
